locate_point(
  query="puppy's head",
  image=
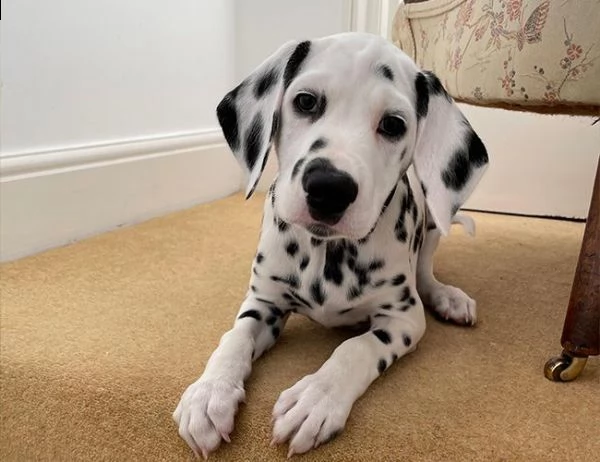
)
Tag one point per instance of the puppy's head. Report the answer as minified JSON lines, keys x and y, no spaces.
{"x":347,"y":115}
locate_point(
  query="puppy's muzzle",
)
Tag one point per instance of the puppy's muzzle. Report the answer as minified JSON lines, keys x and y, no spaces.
{"x":329,"y":191}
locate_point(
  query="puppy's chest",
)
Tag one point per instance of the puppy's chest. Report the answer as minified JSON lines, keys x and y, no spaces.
{"x":334,"y":283}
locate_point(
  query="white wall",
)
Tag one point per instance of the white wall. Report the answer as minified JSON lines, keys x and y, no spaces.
{"x":262,"y":26}
{"x":107,"y":114}
{"x":85,"y":71}
{"x":539,"y":164}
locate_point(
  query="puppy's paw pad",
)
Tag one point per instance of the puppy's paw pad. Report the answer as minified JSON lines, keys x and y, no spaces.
{"x":206,"y":412}
{"x":309,"y":414}
{"x":452,"y":304}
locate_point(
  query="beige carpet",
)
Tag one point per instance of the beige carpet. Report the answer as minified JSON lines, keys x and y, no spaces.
{"x":100,"y":338}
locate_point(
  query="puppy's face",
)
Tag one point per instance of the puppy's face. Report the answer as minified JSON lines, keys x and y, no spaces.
{"x":347,"y":129}
{"x":347,"y":115}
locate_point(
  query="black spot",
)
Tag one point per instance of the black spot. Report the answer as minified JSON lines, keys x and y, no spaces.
{"x":405,"y":206}
{"x":228,"y":119}
{"x":385,"y":71}
{"x":275,"y":124}
{"x":376,"y":265}
{"x":383,"y":336}
{"x":282,"y":225}
{"x":400,"y":231}
{"x":291,"y":280}
{"x":259,"y":258}
{"x":380,"y":315}
{"x":264,"y":300}
{"x":460,"y":168}
{"x":297,"y":167}
{"x":386,"y":306}
{"x":418,"y":237}
{"x":435,"y":86}
{"x":363,"y":240}
{"x":398,"y":280}
{"x":477,"y":153}
{"x":362,"y":274}
{"x":275,"y":311}
{"x":388,"y":199}
{"x":265,"y":82}
{"x":304,"y":262}
{"x":354,"y":292}
{"x":253,"y":142}
{"x":292,"y":248}
{"x":352,"y":250}
{"x":411,"y":300}
{"x":379,"y":283}
{"x":405,"y":295}
{"x":301,"y":300}
{"x":250,"y":314}
{"x":316,"y":242}
{"x":272,"y":193}
{"x":431,"y":226}
{"x":271,"y":320}
{"x":406,"y":340}
{"x":351,"y":263}
{"x":422,"y":87}
{"x":287,"y":296}
{"x":457,"y":173}
{"x":334,"y":258}
{"x":255,"y":271}
{"x":404,"y":308}
{"x":381,"y":366}
{"x":317,"y":293}
{"x":275,"y":331}
{"x":394,"y":357}
{"x":346,"y":310}
{"x":293,"y":65}
{"x":253,"y":288}
{"x":318,"y":144}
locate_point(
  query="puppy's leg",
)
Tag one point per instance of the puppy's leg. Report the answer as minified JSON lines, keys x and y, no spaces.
{"x":205,"y":414}
{"x":448,"y":302}
{"x":316,"y":408}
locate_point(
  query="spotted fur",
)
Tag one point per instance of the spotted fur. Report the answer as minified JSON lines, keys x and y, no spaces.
{"x":366,"y":260}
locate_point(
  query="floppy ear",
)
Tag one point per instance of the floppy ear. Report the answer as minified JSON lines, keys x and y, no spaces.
{"x":249,"y":114}
{"x":449,"y":157}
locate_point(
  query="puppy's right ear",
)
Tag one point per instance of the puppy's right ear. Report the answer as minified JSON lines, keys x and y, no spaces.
{"x":249,"y":114}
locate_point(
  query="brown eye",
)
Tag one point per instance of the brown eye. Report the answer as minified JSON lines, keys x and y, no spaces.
{"x":392,"y":126}
{"x":305,"y":102}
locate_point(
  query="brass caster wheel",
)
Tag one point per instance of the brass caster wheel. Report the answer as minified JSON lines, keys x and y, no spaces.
{"x":564,"y":368}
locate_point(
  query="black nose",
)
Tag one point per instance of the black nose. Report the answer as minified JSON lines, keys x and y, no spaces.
{"x":329,"y":191}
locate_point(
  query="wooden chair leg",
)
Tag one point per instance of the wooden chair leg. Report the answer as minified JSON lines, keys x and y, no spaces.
{"x":581,"y":331}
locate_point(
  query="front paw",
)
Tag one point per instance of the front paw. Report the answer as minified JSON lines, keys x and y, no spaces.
{"x":311,"y":413}
{"x":452,"y":304}
{"x":205,"y":414}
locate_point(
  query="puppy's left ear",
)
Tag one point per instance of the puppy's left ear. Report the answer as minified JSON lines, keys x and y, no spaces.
{"x":250,"y":113}
{"x":449,"y":157}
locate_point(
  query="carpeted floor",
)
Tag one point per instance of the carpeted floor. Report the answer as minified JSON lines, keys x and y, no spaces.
{"x":99,"y":339}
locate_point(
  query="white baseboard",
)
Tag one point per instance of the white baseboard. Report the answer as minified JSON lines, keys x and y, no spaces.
{"x":52,"y":198}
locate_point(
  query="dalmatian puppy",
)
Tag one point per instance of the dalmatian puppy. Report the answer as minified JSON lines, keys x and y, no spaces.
{"x":375,"y":159}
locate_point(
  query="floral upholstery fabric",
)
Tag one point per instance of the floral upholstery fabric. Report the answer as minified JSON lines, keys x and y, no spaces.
{"x":516,"y":52}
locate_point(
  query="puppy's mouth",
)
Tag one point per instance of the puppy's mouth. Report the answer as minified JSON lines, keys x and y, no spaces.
{"x":320,"y":230}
